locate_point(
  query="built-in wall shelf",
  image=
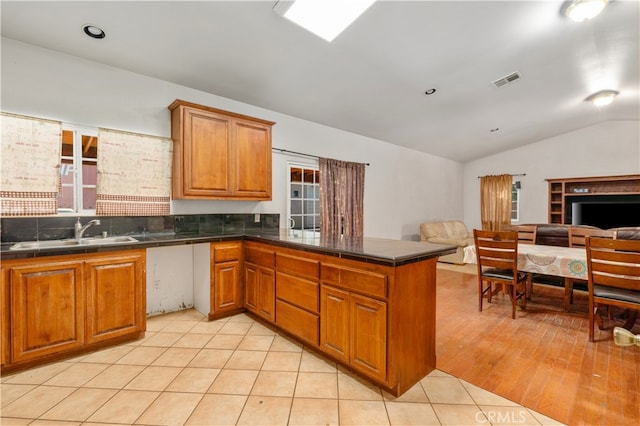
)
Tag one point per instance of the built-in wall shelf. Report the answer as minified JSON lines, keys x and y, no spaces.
{"x":563,"y":192}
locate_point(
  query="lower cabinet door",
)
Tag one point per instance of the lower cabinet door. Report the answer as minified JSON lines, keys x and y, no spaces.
{"x":368,"y":341}
{"x":267,"y":294}
{"x":47,"y":309}
{"x":115,"y":296}
{"x":334,"y":322}
{"x":251,"y":287}
{"x":227,"y":294}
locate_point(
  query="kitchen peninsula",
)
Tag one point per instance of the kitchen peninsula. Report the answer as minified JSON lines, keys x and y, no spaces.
{"x":368,"y":304}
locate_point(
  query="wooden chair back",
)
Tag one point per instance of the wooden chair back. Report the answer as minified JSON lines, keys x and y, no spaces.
{"x":497,"y":260}
{"x":577,"y":235}
{"x":613,"y":271}
{"x":526,"y":233}
{"x":496,"y":249}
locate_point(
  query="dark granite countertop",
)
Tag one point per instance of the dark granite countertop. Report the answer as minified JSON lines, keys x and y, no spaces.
{"x":376,"y":250}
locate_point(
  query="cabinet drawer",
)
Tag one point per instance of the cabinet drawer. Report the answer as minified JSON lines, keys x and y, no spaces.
{"x":297,"y":291}
{"x":298,"y":266}
{"x":298,"y":322}
{"x":226,"y":252}
{"x":260,"y":257}
{"x":365,"y":282}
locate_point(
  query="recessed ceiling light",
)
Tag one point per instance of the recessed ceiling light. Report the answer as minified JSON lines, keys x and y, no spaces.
{"x":324,"y":18}
{"x":603,"y":97}
{"x":430,"y":92}
{"x":583,"y":10}
{"x":93,"y":31}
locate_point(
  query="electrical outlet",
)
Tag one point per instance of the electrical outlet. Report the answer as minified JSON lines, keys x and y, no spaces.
{"x":256,"y":218}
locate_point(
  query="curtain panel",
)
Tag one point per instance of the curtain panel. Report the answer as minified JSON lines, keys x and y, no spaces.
{"x":134,"y":174}
{"x":341,"y":198}
{"x":30,"y":164}
{"x":495,"y":202}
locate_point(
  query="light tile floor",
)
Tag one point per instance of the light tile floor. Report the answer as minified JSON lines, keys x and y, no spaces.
{"x":234,"y":371}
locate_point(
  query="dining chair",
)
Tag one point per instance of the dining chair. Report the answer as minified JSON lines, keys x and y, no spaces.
{"x":526,"y":235}
{"x":613,"y":271}
{"x":577,"y":235}
{"x":577,"y":238}
{"x":497,"y":260}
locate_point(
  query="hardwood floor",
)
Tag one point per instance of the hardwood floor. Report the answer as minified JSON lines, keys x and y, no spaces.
{"x":543,"y":359}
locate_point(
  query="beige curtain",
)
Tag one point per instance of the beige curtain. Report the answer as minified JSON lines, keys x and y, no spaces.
{"x":30,"y":165}
{"x":341,"y":198}
{"x":134,"y":174}
{"x":495,"y":202}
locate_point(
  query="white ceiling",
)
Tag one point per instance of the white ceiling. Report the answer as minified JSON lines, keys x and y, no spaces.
{"x":372,"y":79}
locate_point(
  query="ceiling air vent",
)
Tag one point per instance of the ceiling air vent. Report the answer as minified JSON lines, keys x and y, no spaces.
{"x":513,"y":77}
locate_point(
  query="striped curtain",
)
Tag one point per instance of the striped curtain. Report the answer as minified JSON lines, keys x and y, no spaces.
{"x":341,"y":198}
{"x":134,"y":174}
{"x":495,"y":202}
{"x":30,"y":164}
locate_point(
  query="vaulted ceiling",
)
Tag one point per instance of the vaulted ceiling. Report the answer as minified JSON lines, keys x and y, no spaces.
{"x":372,"y":79}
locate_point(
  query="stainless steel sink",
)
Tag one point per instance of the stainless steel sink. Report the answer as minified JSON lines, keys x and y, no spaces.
{"x":34,"y":245}
{"x":108,"y":240}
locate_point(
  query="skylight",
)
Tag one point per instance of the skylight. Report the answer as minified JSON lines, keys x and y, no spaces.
{"x":325,"y":18}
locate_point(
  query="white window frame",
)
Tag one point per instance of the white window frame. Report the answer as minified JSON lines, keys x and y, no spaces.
{"x":78,"y":131}
{"x":308,"y":166}
{"x":515,"y":219}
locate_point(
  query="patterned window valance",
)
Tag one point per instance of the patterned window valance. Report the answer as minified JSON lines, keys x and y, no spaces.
{"x":134,"y":174}
{"x":30,"y":164}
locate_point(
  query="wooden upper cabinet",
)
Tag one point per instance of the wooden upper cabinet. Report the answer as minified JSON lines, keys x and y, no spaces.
{"x":206,"y":146}
{"x":219,"y":154}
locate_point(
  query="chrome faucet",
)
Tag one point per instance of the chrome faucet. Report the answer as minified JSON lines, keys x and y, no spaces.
{"x":80,"y":229}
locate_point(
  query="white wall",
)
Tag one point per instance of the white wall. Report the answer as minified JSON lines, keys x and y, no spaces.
{"x":170,"y":276}
{"x":604,"y":149}
{"x":402,"y":187}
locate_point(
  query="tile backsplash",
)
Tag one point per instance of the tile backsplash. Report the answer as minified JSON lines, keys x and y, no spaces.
{"x":60,"y":227}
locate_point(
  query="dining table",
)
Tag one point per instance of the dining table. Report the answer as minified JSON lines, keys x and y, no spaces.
{"x":567,"y":262}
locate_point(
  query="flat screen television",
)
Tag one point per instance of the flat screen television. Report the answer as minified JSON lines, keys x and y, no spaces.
{"x":606,"y":215}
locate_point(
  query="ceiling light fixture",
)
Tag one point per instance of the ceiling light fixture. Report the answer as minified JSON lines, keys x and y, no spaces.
{"x":583,"y":10}
{"x":324,"y":18}
{"x":93,"y":31}
{"x":603,"y":97}
{"x":430,"y":91}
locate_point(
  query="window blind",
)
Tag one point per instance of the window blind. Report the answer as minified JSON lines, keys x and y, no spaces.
{"x":134,"y":174}
{"x":30,"y":164}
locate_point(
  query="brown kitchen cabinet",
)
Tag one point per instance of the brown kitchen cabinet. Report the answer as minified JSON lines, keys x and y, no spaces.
{"x":226,"y":279}
{"x":354,"y":329}
{"x":219,"y":154}
{"x":353,"y":325}
{"x":58,"y":306}
{"x":116,"y":298}
{"x":4,"y":318}
{"x":377,"y":320}
{"x":297,"y":294}
{"x":260,"y":280}
{"x":47,"y":308}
